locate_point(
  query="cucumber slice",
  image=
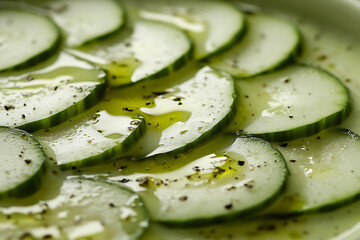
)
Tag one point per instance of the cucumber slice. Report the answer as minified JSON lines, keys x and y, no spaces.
{"x":85,"y":21}
{"x":94,"y":137}
{"x":269,"y":43}
{"x":22,"y":163}
{"x":188,"y":113}
{"x":324,"y":173}
{"x":148,"y":53}
{"x":49,"y":96}
{"x":204,"y":21}
{"x":18,"y":29}
{"x":116,"y":213}
{"x":280,"y":106}
{"x":231,"y":172}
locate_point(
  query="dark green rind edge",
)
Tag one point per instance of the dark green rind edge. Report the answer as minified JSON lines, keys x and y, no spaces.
{"x":198,"y":222}
{"x":231,"y":42}
{"x":219,"y":127}
{"x":33,"y":183}
{"x":287,"y":59}
{"x":173,"y":67}
{"x":326,"y":207}
{"x":108,"y":34}
{"x":78,"y":107}
{"x":109,"y":154}
{"x":312,"y":128}
{"x":42,"y":56}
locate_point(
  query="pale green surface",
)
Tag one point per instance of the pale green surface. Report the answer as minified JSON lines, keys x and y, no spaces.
{"x":116,"y":213}
{"x":81,"y":21}
{"x":21,"y":157}
{"x":283,"y":100}
{"x":19,"y":29}
{"x":148,"y":50}
{"x":39,"y":95}
{"x":204,"y":21}
{"x":213,"y":173}
{"x":267,"y":44}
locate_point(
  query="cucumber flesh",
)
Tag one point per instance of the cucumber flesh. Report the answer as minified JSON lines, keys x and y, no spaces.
{"x":268,"y":43}
{"x":18,"y":29}
{"x":22,"y":163}
{"x":231,"y":172}
{"x":93,"y":137}
{"x":279,"y":106}
{"x":49,"y":96}
{"x":85,"y":21}
{"x":324,"y":173}
{"x":204,"y":21}
{"x":195,"y":109}
{"x":116,"y":213}
{"x":152,"y":50}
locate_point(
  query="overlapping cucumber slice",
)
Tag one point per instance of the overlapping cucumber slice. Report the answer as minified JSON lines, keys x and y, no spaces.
{"x":269,"y":43}
{"x":224,"y":178}
{"x":290,"y":103}
{"x":26,"y":39}
{"x":212,"y":25}
{"x":85,"y":21}
{"x":94,"y":137}
{"x":22,"y":163}
{"x":49,"y":96}
{"x":83,"y":209}
{"x":152,"y":50}
{"x":324,"y":173}
{"x":188,"y":112}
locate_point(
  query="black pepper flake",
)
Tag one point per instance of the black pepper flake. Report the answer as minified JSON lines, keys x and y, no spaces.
{"x":73,"y":167}
{"x":23,"y":116}
{"x":127,"y":109}
{"x":183,"y":198}
{"x":284,"y":145}
{"x":196,"y":168}
{"x":322,"y":58}
{"x":318,"y":137}
{"x":122,"y":167}
{"x":159,"y":93}
{"x":248,"y":186}
{"x":291,"y":116}
{"x":228,"y":206}
{"x":27,"y":161}
{"x":124,"y":180}
{"x":292,"y":160}
{"x":111,"y":205}
{"x":241,"y":163}
{"x":143,"y":181}
{"x":9,"y":107}
{"x":29,"y":78}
